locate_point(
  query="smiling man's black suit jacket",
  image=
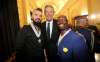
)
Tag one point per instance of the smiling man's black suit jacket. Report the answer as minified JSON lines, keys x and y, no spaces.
{"x":50,"y":43}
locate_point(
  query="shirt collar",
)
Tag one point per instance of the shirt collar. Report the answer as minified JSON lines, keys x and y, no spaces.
{"x":61,"y":37}
{"x":49,"y":21}
{"x":66,"y":32}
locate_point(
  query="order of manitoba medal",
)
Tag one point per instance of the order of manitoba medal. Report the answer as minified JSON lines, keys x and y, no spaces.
{"x":65,"y":50}
{"x":39,"y":40}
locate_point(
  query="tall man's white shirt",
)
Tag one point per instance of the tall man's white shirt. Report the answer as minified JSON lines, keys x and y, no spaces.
{"x":51,"y":26}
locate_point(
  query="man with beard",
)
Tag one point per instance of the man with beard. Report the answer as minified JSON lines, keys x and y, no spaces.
{"x":29,"y":42}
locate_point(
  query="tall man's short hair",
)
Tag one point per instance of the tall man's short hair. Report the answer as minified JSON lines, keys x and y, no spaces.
{"x":48,"y":6}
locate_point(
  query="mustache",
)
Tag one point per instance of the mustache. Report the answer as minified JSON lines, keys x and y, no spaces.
{"x":37,"y":19}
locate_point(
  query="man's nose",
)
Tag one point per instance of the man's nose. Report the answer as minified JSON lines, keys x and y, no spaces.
{"x":38,"y":17}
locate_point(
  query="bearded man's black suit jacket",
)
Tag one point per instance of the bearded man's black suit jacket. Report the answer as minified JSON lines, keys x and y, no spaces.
{"x":27,"y":46}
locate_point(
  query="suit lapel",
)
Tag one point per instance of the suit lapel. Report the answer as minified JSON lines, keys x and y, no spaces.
{"x":44,"y":26}
{"x":52,"y":30}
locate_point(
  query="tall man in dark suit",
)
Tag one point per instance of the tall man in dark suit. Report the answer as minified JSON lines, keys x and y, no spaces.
{"x":29,"y":42}
{"x":51,"y":33}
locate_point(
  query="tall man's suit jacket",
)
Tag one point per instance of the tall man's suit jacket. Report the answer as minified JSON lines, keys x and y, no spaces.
{"x":73,"y":48}
{"x":50,"y":43}
{"x":27,"y":46}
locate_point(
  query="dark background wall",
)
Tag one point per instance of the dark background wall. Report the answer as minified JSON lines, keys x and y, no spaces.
{"x":9,"y":25}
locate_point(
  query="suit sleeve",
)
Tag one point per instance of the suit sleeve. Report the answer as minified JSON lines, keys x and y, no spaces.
{"x":80,"y":51}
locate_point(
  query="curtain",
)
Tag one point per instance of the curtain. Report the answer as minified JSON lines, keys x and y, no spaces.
{"x":9,"y":25}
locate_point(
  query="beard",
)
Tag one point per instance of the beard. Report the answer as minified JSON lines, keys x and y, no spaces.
{"x":37,"y":24}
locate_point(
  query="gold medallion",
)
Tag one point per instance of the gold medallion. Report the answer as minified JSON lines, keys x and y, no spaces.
{"x":39,"y":40}
{"x":65,"y":50}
